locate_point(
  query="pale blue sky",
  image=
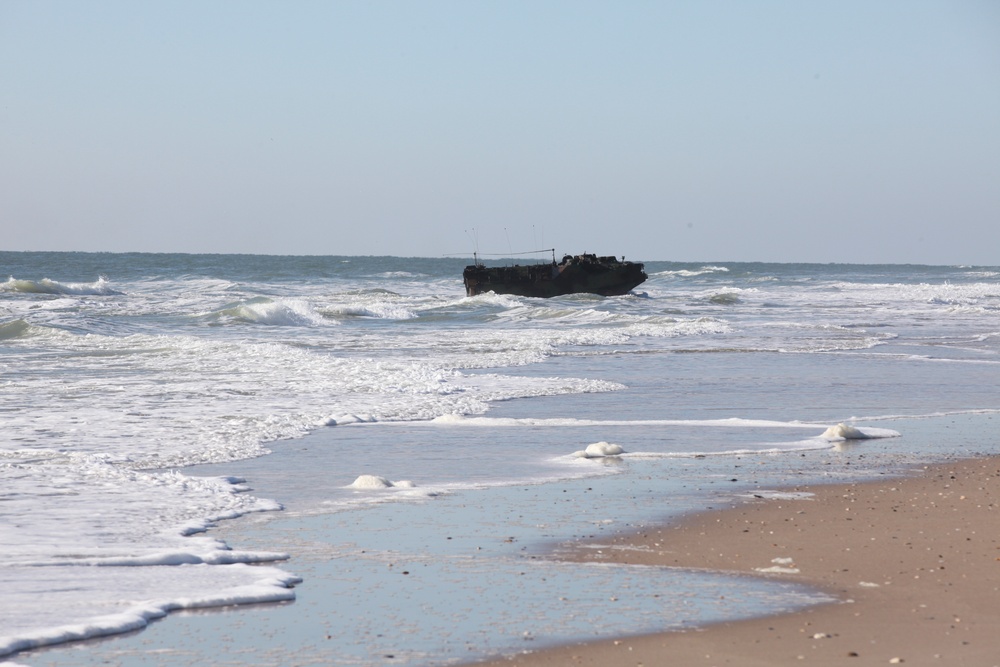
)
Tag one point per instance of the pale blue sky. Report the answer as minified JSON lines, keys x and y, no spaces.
{"x":792,"y":131}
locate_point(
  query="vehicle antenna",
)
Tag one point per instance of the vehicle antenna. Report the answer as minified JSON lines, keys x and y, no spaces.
{"x":474,"y":237}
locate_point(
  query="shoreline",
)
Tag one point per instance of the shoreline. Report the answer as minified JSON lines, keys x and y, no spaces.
{"x":913,"y":561}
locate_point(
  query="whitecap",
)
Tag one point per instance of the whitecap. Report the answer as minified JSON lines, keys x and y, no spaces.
{"x":689,"y":273}
{"x":283,"y":312}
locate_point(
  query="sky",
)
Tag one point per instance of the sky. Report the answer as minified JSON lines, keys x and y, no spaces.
{"x":841,"y":131}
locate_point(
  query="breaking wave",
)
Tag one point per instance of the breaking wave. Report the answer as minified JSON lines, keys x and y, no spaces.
{"x":100,"y":287}
{"x":281,"y":312}
{"x":691,"y":273}
{"x":14,"y":329}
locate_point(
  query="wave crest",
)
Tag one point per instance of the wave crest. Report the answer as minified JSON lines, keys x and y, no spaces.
{"x":100,"y":287}
{"x":14,"y":329}
{"x":691,"y":273}
{"x":281,"y":312}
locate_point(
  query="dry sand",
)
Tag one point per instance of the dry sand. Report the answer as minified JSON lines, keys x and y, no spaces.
{"x":914,"y":564}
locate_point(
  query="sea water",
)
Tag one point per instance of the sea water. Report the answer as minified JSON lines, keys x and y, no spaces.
{"x":393,"y":464}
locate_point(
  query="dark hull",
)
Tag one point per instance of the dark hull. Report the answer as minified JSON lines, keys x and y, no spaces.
{"x":574,"y":275}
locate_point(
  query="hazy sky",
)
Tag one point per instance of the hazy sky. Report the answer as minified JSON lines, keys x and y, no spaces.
{"x":791,"y":131}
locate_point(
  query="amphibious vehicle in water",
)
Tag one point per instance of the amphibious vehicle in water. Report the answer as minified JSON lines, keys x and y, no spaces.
{"x":575,"y":274}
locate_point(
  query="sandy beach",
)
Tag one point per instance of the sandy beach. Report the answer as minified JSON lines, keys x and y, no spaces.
{"x":913,"y":562}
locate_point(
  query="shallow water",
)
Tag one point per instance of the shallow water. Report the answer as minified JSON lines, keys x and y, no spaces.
{"x":430,"y":579}
{"x":717,"y":381}
{"x":452,"y":577}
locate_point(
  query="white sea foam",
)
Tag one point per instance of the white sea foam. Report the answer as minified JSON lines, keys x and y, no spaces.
{"x":343,"y":420}
{"x":491,"y":298}
{"x":925,"y":296}
{"x":761,"y":450}
{"x":848,"y":432}
{"x":70,"y":511}
{"x":398,"y":274}
{"x":141,"y":517}
{"x":777,"y":569}
{"x":369,"y":482}
{"x":171,"y":374}
{"x":844,"y":432}
{"x":599,"y":450}
{"x":731,"y":422}
{"x":779,"y":495}
{"x":932,"y":415}
{"x":95,"y":602}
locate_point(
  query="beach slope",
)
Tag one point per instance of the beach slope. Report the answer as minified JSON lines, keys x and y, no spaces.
{"x":913,"y":562}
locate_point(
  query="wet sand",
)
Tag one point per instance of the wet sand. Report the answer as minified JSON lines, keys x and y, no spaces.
{"x":913,"y":562}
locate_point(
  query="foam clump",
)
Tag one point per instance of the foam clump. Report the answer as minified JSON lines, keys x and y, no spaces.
{"x":347,"y":419}
{"x":780,"y":566}
{"x":449,"y":419}
{"x":374,"y":482}
{"x":598,"y":450}
{"x":844,"y":432}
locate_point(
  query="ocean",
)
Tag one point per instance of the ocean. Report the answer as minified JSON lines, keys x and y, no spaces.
{"x":345,"y":460}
